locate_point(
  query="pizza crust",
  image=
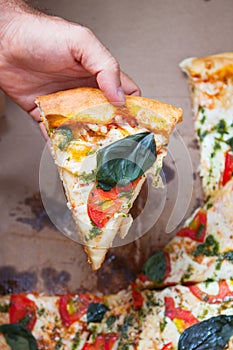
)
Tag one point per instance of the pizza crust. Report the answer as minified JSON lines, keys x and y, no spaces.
{"x":78,"y":104}
{"x":217,"y":66}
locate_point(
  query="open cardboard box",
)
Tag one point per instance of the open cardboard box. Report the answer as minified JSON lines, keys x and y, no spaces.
{"x":149,"y":41}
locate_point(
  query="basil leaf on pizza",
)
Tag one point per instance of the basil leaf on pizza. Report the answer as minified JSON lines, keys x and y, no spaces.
{"x":124,"y":161}
{"x":213,"y":333}
{"x":96,"y":312}
{"x":18,"y":337}
{"x":155,"y":267}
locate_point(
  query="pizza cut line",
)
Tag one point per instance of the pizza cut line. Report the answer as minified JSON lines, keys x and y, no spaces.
{"x":104,"y":154}
{"x":211,"y":85}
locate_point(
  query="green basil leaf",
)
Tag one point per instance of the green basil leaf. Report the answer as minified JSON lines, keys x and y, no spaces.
{"x":155,"y":267}
{"x":68,"y":136}
{"x":213,"y":334}
{"x":125,"y":160}
{"x":18,"y":337}
{"x":96,"y":312}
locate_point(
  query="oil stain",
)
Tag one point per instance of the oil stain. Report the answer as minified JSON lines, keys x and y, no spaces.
{"x":41,"y":218}
{"x":55,"y":281}
{"x":12,"y":281}
{"x":114,"y":275}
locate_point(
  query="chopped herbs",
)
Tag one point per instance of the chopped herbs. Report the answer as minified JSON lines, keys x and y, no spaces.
{"x":76,"y":341}
{"x":162,"y":325}
{"x":58,"y":345}
{"x":110,"y":320}
{"x":87,"y":178}
{"x":41,"y":312}
{"x":186,"y":276}
{"x":94,"y":231}
{"x":221,"y":127}
{"x":4,"y":308}
{"x":209,"y":248}
{"x":201,"y":135}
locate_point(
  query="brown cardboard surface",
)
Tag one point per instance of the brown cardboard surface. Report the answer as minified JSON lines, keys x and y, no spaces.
{"x":149,"y":39}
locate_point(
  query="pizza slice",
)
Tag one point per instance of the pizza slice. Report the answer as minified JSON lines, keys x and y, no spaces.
{"x":104,"y":154}
{"x":211,"y":85}
{"x":131,"y":319}
{"x":200,"y":251}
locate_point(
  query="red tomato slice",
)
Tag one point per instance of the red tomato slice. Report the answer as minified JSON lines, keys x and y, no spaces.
{"x":143,"y":278}
{"x":223,"y":293}
{"x":73,"y":306}
{"x":102,"y":342}
{"x":197,"y":227}
{"x":102,"y":205}
{"x":22,"y":308}
{"x":228,"y":170}
{"x":176,"y":312}
{"x":168,"y":346}
{"x":137,"y":296}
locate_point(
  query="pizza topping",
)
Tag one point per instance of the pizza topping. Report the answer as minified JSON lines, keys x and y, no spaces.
{"x":181,"y":317}
{"x":168,"y":346}
{"x":213,"y":333}
{"x":102,"y":205}
{"x":209,"y":248}
{"x":18,"y":337}
{"x":22,"y":310}
{"x":157,"y":267}
{"x":96,"y":312}
{"x":197,"y":227}
{"x":67,"y":136}
{"x":228,"y":170}
{"x":125,"y":160}
{"x":73,"y":307}
{"x":102,"y":342}
{"x":137,"y":296}
{"x":223,"y":294}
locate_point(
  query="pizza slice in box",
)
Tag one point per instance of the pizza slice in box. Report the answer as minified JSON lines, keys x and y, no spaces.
{"x":104,"y":154}
{"x":202,"y":250}
{"x":211,"y":85}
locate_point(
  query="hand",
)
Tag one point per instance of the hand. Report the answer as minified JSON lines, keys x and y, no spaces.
{"x":40,"y":54}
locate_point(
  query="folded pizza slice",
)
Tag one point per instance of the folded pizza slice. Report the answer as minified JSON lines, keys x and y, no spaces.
{"x":201,"y":251}
{"x":211,"y":85}
{"x":104,"y":154}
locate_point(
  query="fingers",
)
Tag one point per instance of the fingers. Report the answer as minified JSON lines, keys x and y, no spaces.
{"x":129,"y":86}
{"x":96,"y":59}
{"x":35,"y":114}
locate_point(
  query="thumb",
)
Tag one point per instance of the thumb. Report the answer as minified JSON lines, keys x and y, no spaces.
{"x":96,"y":59}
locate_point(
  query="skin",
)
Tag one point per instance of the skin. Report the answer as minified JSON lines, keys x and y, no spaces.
{"x":41,"y":54}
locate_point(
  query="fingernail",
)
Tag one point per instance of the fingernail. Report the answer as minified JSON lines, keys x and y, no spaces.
{"x":121,"y":94}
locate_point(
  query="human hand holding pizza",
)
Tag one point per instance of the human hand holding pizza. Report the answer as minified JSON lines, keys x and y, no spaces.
{"x":41,"y":54}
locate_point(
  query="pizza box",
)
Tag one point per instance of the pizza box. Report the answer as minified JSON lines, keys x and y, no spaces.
{"x":149,"y":41}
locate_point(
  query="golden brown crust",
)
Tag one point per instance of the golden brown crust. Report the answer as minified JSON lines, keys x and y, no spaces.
{"x":88,"y":105}
{"x":216,"y":66}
